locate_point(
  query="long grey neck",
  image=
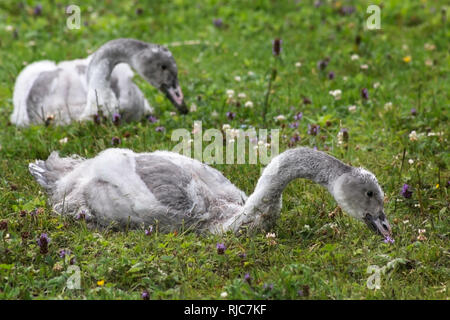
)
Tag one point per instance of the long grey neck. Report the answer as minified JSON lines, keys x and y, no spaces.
{"x":264,"y":204}
{"x":109,"y":55}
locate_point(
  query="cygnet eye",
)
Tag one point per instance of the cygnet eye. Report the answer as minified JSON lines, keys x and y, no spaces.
{"x":370,"y":194}
{"x":164,"y":67}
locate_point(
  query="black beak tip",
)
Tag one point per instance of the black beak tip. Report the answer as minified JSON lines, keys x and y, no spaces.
{"x":183,"y":108}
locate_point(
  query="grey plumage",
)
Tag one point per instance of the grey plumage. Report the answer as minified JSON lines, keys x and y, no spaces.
{"x":75,"y":90}
{"x":174,"y":191}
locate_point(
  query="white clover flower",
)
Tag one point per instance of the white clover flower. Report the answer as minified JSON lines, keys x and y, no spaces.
{"x":429,"y":63}
{"x":429,"y":46}
{"x":230,"y":93}
{"x":226,"y":126}
{"x":242,"y":95}
{"x":354,"y":57}
{"x":214,"y":114}
{"x":63,"y":140}
{"x":193,"y":107}
{"x":413,"y":136}
{"x":271,"y":235}
{"x":388,"y":106}
{"x":336,"y":94}
{"x":251,"y":73}
{"x":352,"y":108}
{"x":410,"y":161}
{"x":345,"y":78}
{"x":280,"y":118}
{"x":173,"y":113}
{"x":9,"y":28}
{"x":224,"y":294}
{"x":298,"y":64}
{"x":376,"y":85}
{"x":364,"y":67}
{"x":248,"y":104}
{"x":237,"y":78}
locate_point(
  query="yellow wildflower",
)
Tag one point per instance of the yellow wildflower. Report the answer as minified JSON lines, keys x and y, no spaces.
{"x":101,"y":283}
{"x":407,"y":59}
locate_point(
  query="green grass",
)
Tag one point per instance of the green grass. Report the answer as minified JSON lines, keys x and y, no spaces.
{"x":329,"y":254}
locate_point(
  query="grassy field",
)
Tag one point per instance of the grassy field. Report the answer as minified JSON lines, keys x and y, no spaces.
{"x":317,"y":252}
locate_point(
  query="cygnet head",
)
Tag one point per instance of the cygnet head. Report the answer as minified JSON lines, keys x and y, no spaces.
{"x":157,"y":65}
{"x":359,"y":194}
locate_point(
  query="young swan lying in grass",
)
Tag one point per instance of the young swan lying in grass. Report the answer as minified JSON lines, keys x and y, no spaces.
{"x":72,"y":90}
{"x":175,"y":191}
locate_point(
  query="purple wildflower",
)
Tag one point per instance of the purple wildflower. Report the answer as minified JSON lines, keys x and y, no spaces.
{"x":97,"y":119}
{"x":64,"y":252}
{"x":247,"y":278}
{"x":344,"y":134}
{"x":115,"y":141}
{"x":116,"y":118}
{"x":43,"y":242}
{"x":347,"y":10}
{"x":293,"y":125}
{"x":34,"y":212}
{"x":365,"y":93}
{"x":81,"y":216}
{"x":242,"y":255}
{"x":388,"y":239}
{"x":276,"y":47}
{"x":268,"y":286}
{"x":300,"y":293}
{"x":37,"y":11}
{"x":295,"y":138}
{"x":317,"y":3}
{"x":145,"y":295}
{"x":414,"y":111}
{"x":313,"y":129}
{"x":322,"y":64}
{"x":221,"y":248}
{"x":148,"y":231}
{"x":331,"y":75}
{"x":231,"y":115}
{"x":298,"y":116}
{"x":218,"y":23}
{"x":406,"y":192}
{"x":4,"y":225}
{"x":160,"y":129}
{"x":152,"y":119}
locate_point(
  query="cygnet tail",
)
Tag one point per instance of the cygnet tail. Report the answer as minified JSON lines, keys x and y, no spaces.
{"x":48,"y":172}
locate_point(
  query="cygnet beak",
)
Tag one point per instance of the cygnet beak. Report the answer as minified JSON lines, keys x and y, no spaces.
{"x":378,"y":224}
{"x":175,"y":95}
